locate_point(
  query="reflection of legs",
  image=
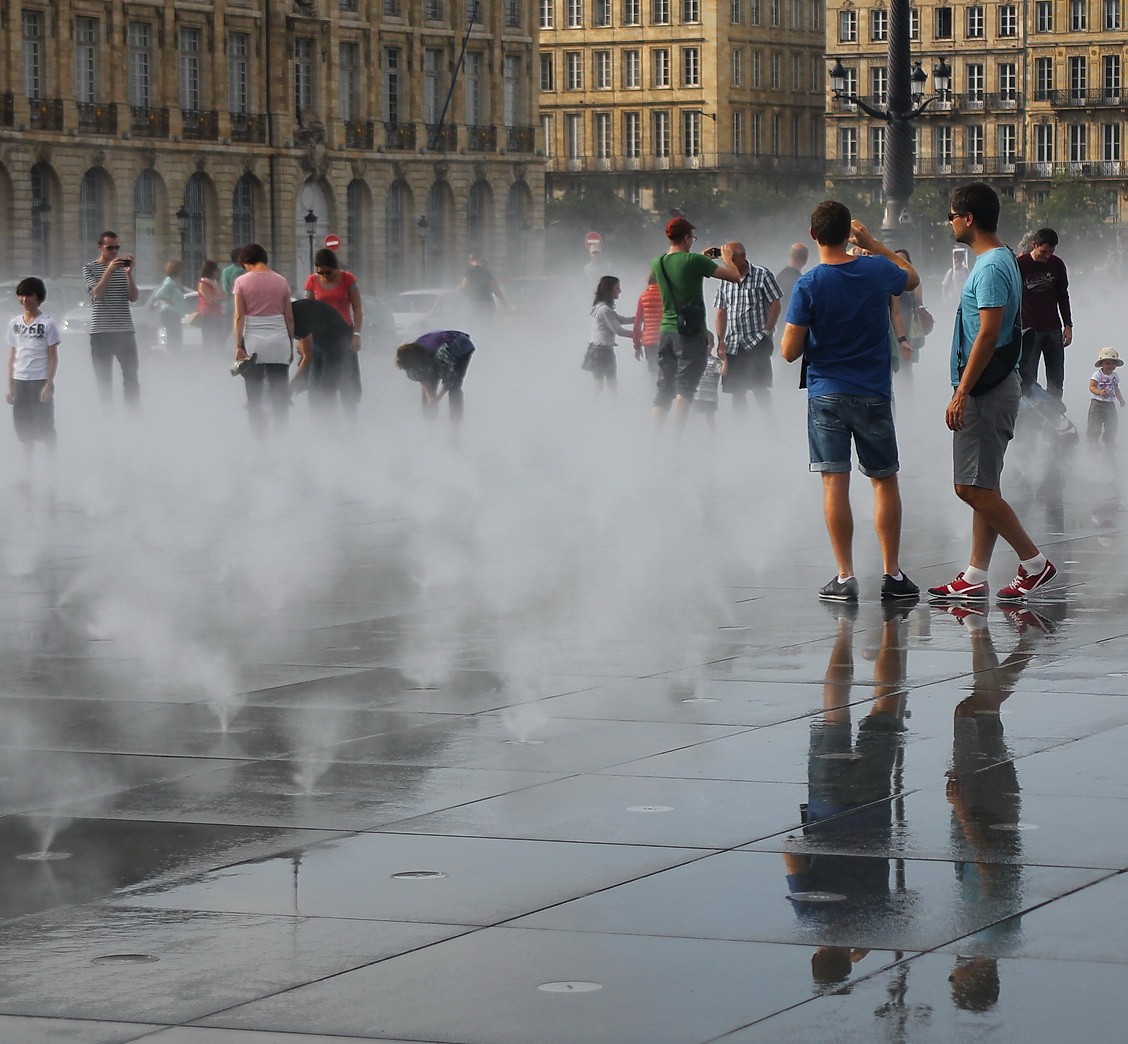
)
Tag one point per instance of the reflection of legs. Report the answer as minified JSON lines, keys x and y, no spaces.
{"x":887,"y":521}
{"x":839,"y":519}
{"x":839,"y":676}
{"x":279,"y":392}
{"x":253,"y":377}
{"x":102,"y":359}
{"x":125,"y":350}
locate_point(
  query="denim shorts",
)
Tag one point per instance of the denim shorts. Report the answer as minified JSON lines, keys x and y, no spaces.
{"x":834,"y":420}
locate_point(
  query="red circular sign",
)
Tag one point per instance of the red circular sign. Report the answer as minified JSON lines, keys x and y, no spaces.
{"x":593,"y":240}
{"x":333,"y":242}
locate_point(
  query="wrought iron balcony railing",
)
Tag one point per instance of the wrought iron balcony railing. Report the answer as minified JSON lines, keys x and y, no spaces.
{"x":360,"y":134}
{"x":97,"y":118}
{"x":248,"y":127}
{"x":197,"y":125}
{"x":481,"y":138}
{"x":148,"y":122}
{"x":399,"y":137}
{"x":46,"y":114}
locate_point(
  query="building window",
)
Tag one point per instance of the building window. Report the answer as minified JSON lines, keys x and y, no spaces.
{"x":942,"y":145}
{"x":32,"y":26}
{"x":1007,"y":141}
{"x":975,"y":23}
{"x":392,"y":85}
{"x":573,"y":70}
{"x":1112,"y":14}
{"x":189,"y":58}
{"x":816,"y":16}
{"x":1044,"y":143}
{"x":349,"y":81}
{"x":914,"y":24}
{"x":796,"y":72}
{"x":601,"y":130}
{"x":511,"y":100}
{"x":661,"y":133}
{"x":632,"y":68}
{"x":546,"y":137}
{"x":754,"y":11}
{"x":736,"y":12}
{"x":473,"y":98}
{"x":691,"y":12}
{"x":879,"y":85}
{"x":877,"y":146}
{"x":632,"y":12}
{"x":601,"y":13}
{"x":573,"y":136}
{"x":303,"y":74}
{"x":738,"y":67}
{"x":776,"y":70}
{"x":691,"y":134}
{"x":243,"y":211}
{"x":1078,"y":143}
{"x":943,"y":23}
{"x":433,"y":94}
{"x":601,"y":70}
{"x":796,"y":135}
{"x":546,"y":12}
{"x":140,"y":64}
{"x":848,"y":147}
{"x":691,"y":67}
{"x":757,"y":68}
{"x":547,"y":79}
{"x":738,"y":133}
{"x":795,"y":15}
{"x":774,"y":13}
{"x":816,"y":75}
{"x":632,"y":135}
{"x":1110,"y":76}
{"x":238,"y":73}
{"x":1008,"y":81}
{"x":1043,"y":78}
{"x":848,"y":26}
{"x":1043,"y":16}
{"x":433,"y":10}
{"x":879,"y":25}
{"x":1008,"y":20}
{"x":1110,"y":142}
{"x":86,"y":59}
{"x":660,"y":13}
{"x":573,"y":14}
{"x":661,"y":67}
{"x":975,"y":82}
{"x":1078,"y":15}
{"x":974,"y":148}
{"x":1078,"y":78}
{"x":757,"y":134}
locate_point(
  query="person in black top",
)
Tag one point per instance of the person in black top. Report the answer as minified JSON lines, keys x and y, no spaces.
{"x":324,"y":340}
{"x":480,"y":286}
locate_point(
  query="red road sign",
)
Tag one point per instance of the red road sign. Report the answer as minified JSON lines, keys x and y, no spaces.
{"x":333,"y":242}
{"x":593,"y":240}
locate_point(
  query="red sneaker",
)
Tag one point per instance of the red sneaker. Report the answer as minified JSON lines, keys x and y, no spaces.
{"x":961,"y":589}
{"x":1023,"y":584}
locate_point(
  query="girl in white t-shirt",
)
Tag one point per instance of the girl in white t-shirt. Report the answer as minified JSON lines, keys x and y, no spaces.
{"x":33,"y":358}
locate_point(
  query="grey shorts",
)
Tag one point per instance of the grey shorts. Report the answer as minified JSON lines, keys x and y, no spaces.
{"x":979,"y":446}
{"x":681,"y":362}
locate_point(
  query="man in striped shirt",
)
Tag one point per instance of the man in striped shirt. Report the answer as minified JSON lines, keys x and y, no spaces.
{"x":747,"y":312}
{"x":109,"y":281}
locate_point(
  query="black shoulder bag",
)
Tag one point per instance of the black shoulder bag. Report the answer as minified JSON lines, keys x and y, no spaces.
{"x":691,"y":317}
{"x":1005,"y":357}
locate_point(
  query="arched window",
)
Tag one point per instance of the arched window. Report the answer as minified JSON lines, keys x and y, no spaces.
{"x":518,"y":210}
{"x":243,"y":212}
{"x":195,"y":228}
{"x":40,"y":219}
{"x":91,"y":221}
{"x":396,"y":213}
{"x":439,"y":211}
{"x":145,"y":193}
{"x":478,"y":216}
{"x":356,"y":231}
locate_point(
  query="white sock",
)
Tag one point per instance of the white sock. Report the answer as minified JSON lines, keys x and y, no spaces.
{"x":896,"y":576}
{"x":975,"y":576}
{"x":1035,"y":565}
{"x":975,"y":622}
{"x":842,"y":579}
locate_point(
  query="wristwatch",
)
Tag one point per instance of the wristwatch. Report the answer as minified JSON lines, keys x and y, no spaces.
{"x":902,"y":340}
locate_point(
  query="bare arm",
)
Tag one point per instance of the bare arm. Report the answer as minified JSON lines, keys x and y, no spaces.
{"x":305,"y":357}
{"x":1094,"y":388}
{"x":990,"y":323}
{"x":240,"y":325}
{"x":358,"y":315}
{"x":726,"y":269}
{"x":794,"y":342}
{"x":862,"y":237}
{"x":773,"y":314}
{"x":52,"y":368}
{"x":288,"y":312}
{"x":722,"y":328}
{"x":11,"y":370}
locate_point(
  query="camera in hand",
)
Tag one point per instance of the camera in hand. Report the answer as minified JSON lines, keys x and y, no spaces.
{"x":713,"y":251}
{"x":127,"y":262}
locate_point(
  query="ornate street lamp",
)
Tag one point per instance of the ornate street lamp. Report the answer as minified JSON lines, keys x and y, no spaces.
{"x":182,"y":217}
{"x":906,"y":102}
{"x":311,"y":231}
{"x":424,"y":227}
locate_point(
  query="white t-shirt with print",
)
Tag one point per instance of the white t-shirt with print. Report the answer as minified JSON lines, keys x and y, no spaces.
{"x":31,"y":341}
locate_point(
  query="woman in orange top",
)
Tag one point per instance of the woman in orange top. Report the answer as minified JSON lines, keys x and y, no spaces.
{"x":333,"y":285}
{"x":209,"y":304}
{"x":648,"y":318}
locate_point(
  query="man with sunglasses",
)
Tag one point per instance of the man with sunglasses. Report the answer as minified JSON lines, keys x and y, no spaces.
{"x":982,"y":413}
{"x":109,"y":281}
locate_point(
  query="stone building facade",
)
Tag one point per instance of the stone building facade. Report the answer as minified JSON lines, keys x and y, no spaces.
{"x":193,"y":127}
{"x":1037,"y":91}
{"x":647,"y":93}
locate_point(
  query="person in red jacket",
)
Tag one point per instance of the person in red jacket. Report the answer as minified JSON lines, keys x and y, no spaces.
{"x":1045,"y":310}
{"x":648,"y":317}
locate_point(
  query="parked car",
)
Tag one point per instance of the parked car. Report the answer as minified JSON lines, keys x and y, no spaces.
{"x":146,"y":320}
{"x":417,"y":311}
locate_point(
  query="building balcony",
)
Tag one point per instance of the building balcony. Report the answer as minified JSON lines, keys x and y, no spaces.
{"x":360,"y":134}
{"x":1097,"y":98}
{"x":1035,"y":171}
{"x":1004,"y":100}
{"x":521,"y":139}
{"x":7,"y":109}
{"x":248,"y":127}
{"x":97,"y":118}
{"x":147,"y":122}
{"x":783,"y":165}
{"x":481,"y":138}
{"x":441,"y":137}
{"x":198,"y":125}
{"x":399,"y":137}
{"x":46,"y":114}
{"x":927,"y":167}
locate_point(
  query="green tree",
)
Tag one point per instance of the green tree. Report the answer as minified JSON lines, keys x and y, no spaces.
{"x":1076,"y":209}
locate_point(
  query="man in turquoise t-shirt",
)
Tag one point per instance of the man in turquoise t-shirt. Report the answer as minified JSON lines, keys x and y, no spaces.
{"x":681,"y":357}
{"x":227,"y":280}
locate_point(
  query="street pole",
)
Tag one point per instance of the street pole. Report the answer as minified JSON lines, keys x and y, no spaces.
{"x":897,"y":166}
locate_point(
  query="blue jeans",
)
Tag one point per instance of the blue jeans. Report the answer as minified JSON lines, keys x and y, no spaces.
{"x":833,"y":421}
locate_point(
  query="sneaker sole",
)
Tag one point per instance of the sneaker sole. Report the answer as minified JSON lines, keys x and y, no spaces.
{"x":837,"y":598}
{"x":894,"y":596}
{"x":960,"y":596}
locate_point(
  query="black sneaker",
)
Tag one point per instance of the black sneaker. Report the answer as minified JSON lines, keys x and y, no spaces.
{"x":839,"y":590}
{"x":899,"y":590}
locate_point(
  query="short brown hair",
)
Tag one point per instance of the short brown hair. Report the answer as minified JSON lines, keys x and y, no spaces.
{"x":830,"y":223}
{"x":678,"y":228}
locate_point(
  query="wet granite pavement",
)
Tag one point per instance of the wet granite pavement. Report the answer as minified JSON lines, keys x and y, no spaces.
{"x":437,"y":782}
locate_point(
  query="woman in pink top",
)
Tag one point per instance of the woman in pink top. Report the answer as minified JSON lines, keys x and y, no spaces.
{"x":264,"y":336}
{"x":333,"y":285}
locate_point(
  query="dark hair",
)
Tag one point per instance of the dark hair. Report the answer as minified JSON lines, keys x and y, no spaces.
{"x":253,"y":254}
{"x":980,"y":201}
{"x":904,"y":253}
{"x":830,"y":223}
{"x":235,"y":255}
{"x":174,"y":268}
{"x":1045,"y":237}
{"x":107,"y":235}
{"x":325,"y":258}
{"x":411,"y":356}
{"x":32,"y":285}
{"x":607,"y":283}
{"x":209,"y":269}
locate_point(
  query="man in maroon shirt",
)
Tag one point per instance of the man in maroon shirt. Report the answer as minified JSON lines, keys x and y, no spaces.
{"x":1045,"y":297}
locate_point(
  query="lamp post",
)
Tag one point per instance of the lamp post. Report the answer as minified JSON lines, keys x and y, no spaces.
{"x":311,"y":231}
{"x":906,"y":101}
{"x":182,"y":217}
{"x":424,"y":226}
{"x":40,"y":208}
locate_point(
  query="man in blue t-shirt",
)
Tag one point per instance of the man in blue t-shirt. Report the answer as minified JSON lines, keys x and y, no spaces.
{"x":838,"y":319}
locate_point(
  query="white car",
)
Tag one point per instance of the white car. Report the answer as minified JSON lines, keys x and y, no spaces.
{"x":145,"y":319}
{"x":417,"y":311}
